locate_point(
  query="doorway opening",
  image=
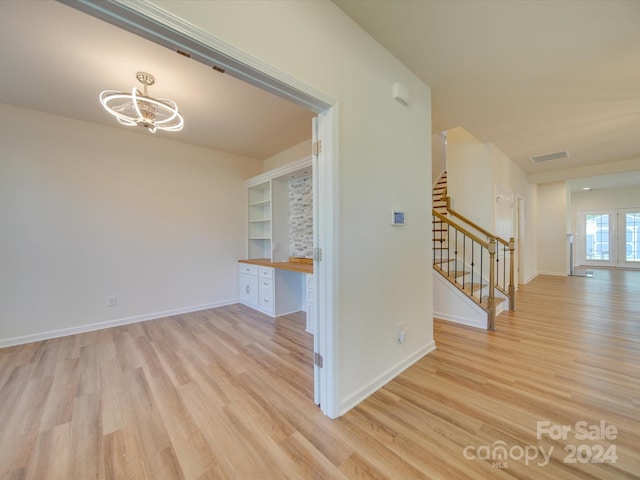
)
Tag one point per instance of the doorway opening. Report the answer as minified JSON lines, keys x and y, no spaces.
{"x":150,"y":22}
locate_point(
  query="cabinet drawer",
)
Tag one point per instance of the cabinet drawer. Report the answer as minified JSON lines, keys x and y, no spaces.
{"x":266,"y":283}
{"x":265,"y":272}
{"x":248,"y":269}
{"x":266,"y":301}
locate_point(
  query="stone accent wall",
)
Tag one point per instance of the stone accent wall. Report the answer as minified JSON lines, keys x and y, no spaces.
{"x":301,"y":218}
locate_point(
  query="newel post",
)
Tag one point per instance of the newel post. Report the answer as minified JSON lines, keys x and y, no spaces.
{"x":512,"y":287}
{"x":491,"y":301}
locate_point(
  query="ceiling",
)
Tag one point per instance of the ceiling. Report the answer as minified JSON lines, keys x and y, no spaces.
{"x":56,"y":59}
{"x":531,"y":77}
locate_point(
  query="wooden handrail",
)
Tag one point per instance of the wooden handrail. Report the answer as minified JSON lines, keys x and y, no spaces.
{"x":474,"y":237}
{"x":491,"y":246}
{"x":476,"y":226}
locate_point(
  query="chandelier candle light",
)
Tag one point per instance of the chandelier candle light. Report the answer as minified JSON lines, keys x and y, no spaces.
{"x":137,"y":108}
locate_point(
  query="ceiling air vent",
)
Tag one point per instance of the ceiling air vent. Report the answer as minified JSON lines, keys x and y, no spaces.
{"x":550,"y":156}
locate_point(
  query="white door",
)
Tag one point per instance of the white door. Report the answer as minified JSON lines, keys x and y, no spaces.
{"x":324,"y":228}
{"x":313,"y":303}
{"x":629,"y":237}
{"x":610,"y":238}
{"x":520,"y":242}
{"x":597,"y":238}
{"x":504,"y":229}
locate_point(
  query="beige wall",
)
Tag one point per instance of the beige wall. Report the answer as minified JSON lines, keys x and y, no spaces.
{"x":476,"y":172}
{"x":608,"y":198}
{"x":508,"y":177}
{"x":291,"y":154}
{"x":553,"y":226}
{"x":628,"y":197}
{"x":383,"y":162}
{"x":89,"y":211}
{"x":438,"y":156}
{"x":469,"y":177}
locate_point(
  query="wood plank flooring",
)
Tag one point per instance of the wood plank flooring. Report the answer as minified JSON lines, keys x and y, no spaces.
{"x":227,"y":394}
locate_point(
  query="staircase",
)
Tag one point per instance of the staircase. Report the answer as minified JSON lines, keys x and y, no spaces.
{"x":471,"y":281}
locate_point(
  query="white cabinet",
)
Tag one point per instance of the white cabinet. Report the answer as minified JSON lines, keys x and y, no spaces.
{"x":248,"y":285}
{"x":265,"y":280}
{"x":273,"y":291}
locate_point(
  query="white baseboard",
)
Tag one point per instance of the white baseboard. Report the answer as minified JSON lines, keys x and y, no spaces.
{"x":385,"y":378}
{"x":527,"y":280}
{"x":471,"y":322}
{"x":90,"y":327}
{"x":555,"y":274}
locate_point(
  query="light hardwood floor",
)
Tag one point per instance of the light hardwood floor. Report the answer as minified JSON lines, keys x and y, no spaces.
{"x":226,"y":393}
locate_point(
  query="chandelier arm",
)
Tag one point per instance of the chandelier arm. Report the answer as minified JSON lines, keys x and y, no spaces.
{"x":135,"y":103}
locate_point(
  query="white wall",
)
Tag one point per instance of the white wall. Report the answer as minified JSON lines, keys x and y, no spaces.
{"x":553,"y":229}
{"x":383,"y":162}
{"x":90,"y":211}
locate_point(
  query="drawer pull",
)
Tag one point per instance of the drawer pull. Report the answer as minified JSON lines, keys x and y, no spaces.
{"x":247,"y":289}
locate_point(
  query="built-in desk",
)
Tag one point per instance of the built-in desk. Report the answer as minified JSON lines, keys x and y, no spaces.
{"x":277,"y":288}
{"x":293,"y":266}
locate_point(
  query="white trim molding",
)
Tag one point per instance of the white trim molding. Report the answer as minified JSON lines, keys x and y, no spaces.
{"x":91,"y":327}
{"x":380,"y":381}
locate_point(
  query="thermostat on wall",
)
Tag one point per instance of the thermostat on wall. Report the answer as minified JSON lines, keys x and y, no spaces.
{"x":397,"y":218}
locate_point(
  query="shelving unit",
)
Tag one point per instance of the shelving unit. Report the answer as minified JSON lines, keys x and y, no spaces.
{"x":259,"y":219}
{"x":273,"y":290}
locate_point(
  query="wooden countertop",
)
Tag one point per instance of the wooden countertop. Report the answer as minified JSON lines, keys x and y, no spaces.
{"x":293,"y":266}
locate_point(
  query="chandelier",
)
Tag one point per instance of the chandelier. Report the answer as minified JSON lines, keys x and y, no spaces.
{"x":137,"y":108}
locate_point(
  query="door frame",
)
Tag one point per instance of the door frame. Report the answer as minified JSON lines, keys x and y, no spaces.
{"x":582,"y":237}
{"x":153,"y":23}
{"x":622,"y":238}
{"x":520,"y":239}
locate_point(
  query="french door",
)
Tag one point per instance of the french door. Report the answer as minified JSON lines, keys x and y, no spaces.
{"x":610,"y":238}
{"x":629,"y":239}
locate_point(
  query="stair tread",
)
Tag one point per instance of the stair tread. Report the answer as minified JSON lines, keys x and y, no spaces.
{"x":496,"y":300}
{"x":440,"y":261}
{"x":457,"y":274}
{"x":473,"y":287}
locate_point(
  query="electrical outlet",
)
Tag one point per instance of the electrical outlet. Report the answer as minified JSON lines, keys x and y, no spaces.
{"x":111,"y":301}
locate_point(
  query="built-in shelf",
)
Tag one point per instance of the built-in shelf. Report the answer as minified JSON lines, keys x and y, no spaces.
{"x":268,"y":211}
{"x":261,"y":202}
{"x":259,"y":219}
{"x":263,"y":284}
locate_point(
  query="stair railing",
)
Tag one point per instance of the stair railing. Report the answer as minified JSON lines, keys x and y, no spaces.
{"x":455,"y":246}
